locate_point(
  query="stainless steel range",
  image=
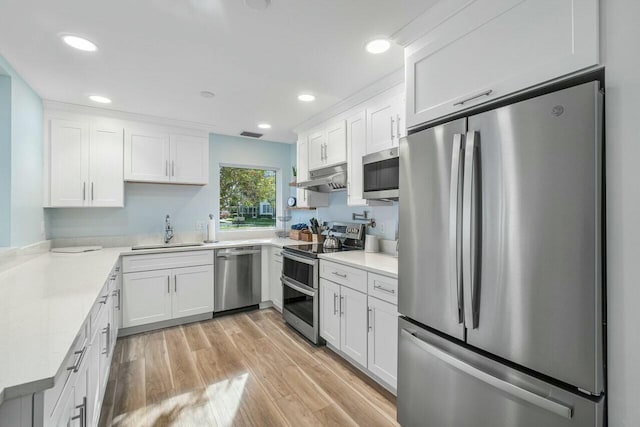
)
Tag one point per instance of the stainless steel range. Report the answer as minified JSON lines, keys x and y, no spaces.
{"x":300,"y":278}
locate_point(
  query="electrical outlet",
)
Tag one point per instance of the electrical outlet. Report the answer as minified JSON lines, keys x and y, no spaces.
{"x":201,"y":225}
{"x":381,"y":227}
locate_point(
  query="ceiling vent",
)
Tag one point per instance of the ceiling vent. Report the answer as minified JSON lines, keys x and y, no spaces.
{"x":251,"y":134}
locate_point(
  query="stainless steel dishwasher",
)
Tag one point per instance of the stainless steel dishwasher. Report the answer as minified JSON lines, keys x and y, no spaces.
{"x":238,"y":278}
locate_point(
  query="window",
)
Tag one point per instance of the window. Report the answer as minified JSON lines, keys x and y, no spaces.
{"x":247,"y":198}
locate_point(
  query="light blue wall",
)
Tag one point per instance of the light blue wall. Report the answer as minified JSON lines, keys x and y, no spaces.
{"x":146,"y":204}
{"x":26,"y":160}
{"x":5,"y":161}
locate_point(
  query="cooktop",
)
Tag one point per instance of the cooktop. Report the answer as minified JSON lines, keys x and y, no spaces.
{"x":314,"y":249}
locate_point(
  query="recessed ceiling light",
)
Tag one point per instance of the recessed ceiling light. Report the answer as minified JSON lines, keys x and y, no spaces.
{"x":264,"y":125}
{"x":306,"y":97}
{"x":100,"y":99}
{"x":378,"y":46}
{"x":207,"y":94}
{"x":79,"y":43}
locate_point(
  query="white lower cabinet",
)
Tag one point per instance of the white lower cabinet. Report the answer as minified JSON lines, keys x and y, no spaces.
{"x":383,"y":340}
{"x":275,"y":273}
{"x":192,"y":291}
{"x":146,"y":297}
{"x":152,"y":294}
{"x":330,"y":312}
{"x":353,"y":324}
{"x":357,"y":325}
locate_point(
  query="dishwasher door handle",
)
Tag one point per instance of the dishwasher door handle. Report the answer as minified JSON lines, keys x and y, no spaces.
{"x":237,"y":253}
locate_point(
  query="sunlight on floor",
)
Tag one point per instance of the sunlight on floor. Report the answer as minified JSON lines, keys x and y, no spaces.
{"x":219,"y":402}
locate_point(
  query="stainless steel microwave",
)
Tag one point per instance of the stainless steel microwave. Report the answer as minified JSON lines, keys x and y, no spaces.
{"x":381,"y":175}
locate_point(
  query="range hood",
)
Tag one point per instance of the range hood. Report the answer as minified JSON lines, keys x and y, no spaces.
{"x":327,"y":180}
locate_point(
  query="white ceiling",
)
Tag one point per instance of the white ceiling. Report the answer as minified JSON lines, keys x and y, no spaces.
{"x":156,"y":56}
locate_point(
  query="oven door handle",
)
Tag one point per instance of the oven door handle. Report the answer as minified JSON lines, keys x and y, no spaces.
{"x":298,"y":288}
{"x":299,"y":259}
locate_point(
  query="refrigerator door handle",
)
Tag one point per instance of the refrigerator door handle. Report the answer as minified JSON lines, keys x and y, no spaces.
{"x":455,"y":253}
{"x":469,"y":220}
{"x":502,"y":385}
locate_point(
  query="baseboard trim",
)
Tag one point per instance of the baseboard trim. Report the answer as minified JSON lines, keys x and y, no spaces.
{"x":124,"y":332}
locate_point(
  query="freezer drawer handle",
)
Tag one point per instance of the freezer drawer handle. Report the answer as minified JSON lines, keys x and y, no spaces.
{"x":507,"y":387}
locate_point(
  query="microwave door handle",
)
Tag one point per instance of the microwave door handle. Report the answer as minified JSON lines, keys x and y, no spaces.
{"x":455,"y":253}
{"x":470,"y":233}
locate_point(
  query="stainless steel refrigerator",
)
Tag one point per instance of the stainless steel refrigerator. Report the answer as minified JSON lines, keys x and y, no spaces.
{"x":500,"y":267}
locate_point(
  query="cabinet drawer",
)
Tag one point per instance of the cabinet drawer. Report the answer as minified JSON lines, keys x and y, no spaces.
{"x":134,"y":263}
{"x":383,"y":287}
{"x":65,"y":376}
{"x":99,"y":306}
{"x":344,"y":275}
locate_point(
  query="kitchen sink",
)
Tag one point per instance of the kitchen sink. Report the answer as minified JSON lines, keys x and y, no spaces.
{"x":166,"y":246}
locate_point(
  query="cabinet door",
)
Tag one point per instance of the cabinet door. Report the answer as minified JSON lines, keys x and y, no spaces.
{"x":81,"y":410}
{"x":275,"y":272}
{"x":330,"y":312}
{"x":146,"y":156}
{"x":356,"y":148}
{"x":146,"y":297}
{"x":192,"y":291}
{"x":383,"y":340}
{"x":399,"y":111}
{"x":336,"y":145}
{"x":492,"y":48}
{"x":302,"y":155}
{"x":106,"y":167}
{"x":353,"y":325}
{"x":69,"y":163}
{"x":317,"y":149}
{"x":381,"y":125}
{"x":189,"y":159}
{"x":93,"y":381}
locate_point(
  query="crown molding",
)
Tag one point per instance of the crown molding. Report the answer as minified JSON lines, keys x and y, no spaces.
{"x":376,"y":88}
{"x":123,"y":115}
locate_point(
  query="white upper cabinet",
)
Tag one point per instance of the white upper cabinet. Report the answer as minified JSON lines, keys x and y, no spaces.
{"x":317,"y":145}
{"x":189,"y":159}
{"x":385,"y":123}
{"x":156,"y":156}
{"x":85,"y":167}
{"x":491,"y":48}
{"x":146,"y":156}
{"x":306,"y":198}
{"x":336,"y":145}
{"x":105,"y":167}
{"x":356,"y":149}
{"x":69,"y":167}
{"x":328,"y":145}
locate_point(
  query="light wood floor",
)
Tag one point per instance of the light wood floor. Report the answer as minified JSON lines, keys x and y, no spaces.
{"x":247,"y":369}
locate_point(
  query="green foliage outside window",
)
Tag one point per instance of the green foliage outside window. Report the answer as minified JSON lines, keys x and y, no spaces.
{"x":247,"y":198}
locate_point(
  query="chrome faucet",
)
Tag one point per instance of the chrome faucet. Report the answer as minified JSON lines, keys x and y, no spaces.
{"x":168,"y":230}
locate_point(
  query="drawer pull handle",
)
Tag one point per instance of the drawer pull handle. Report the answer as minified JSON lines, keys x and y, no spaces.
{"x":344,"y":276}
{"x":76,"y":366}
{"x":480,"y":95}
{"x":382,"y":288}
{"x":104,"y":299}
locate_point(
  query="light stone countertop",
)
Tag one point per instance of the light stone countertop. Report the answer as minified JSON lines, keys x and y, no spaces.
{"x":379,"y":263}
{"x":43,"y":306}
{"x":44,"y":302}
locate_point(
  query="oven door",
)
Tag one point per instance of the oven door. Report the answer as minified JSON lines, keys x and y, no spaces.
{"x":300,"y":270}
{"x":300,"y":308}
{"x":381,"y":175}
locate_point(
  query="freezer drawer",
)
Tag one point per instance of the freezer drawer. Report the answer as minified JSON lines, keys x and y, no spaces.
{"x":441,"y":383}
